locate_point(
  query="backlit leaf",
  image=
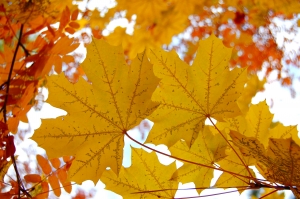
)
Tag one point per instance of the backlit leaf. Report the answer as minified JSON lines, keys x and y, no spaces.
{"x":145,"y":178}
{"x":279,"y":163}
{"x":257,"y":123}
{"x":206,"y":150}
{"x":44,"y":164}
{"x":237,"y":172}
{"x":99,"y":114}
{"x":55,"y":163}
{"x":190,"y":94}
{"x":34,"y":178}
{"x":54,"y":183}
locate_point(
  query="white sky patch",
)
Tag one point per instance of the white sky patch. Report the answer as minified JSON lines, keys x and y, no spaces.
{"x":101,"y":5}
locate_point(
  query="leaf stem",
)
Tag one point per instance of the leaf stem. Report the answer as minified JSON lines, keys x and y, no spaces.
{"x":215,"y":194}
{"x":10,"y":73}
{"x":268,"y":194}
{"x":187,"y":189}
{"x":232,"y":149}
{"x":183,"y":160}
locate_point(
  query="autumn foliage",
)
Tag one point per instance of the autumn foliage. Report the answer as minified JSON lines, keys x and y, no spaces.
{"x":200,"y":103}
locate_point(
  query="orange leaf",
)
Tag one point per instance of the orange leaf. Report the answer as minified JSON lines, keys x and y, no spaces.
{"x":70,"y":30}
{"x":34,"y":178}
{"x":13,"y":124}
{"x":62,"y":175}
{"x":67,"y":186}
{"x":67,"y":59}
{"x":65,"y":18}
{"x":50,"y":29}
{"x":54,"y":183}
{"x":28,"y":95}
{"x":74,"y":25}
{"x":286,"y":81}
{"x":45,"y":191}
{"x":74,"y":15}
{"x":58,"y":64}
{"x":55,"y":163}
{"x":44,"y":164}
{"x":68,"y":160}
{"x":64,"y":46}
{"x":6,"y":195}
{"x":32,"y":58}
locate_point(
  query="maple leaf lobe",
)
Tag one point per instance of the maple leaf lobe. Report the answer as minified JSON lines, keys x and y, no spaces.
{"x":99,"y":113}
{"x":189,"y":94}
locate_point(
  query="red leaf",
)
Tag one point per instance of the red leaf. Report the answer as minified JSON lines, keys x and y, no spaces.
{"x":74,"y":15}
{"x":10,"y":146}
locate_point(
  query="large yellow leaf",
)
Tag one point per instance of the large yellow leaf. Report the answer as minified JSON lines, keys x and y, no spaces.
{"x":280,"y":163}
{"x":99,"y":114}
{"x":206,"y":150}
{"x":190,"y":94}
{"x":145,"y":178}
{"x":252,"y":135}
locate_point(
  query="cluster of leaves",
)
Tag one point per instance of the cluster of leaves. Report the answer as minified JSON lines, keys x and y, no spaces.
{"x":177,"y":97}
{"x":249,"y":27}
{"x":53,"y":173}
{"x":31,"y":46}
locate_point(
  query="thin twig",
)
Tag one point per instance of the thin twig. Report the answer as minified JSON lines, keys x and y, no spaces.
{"x":183,"y":160}
{"x":269,"y":194}
{"x":246,"y":167}
{"x":10,"y":74}
{"x":5,"y":110}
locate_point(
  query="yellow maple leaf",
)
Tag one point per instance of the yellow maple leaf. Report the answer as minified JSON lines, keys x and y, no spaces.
{"x":146,"y":11}
{"x":166,"y":28}
{"x":190,"y":94}
{"x":278,"y":164}
{"x":253,"y":86}
{"x":252,"y":134}
{"x":206,"y":150}
{"x":257,"y":123}
{"x":238,"y":174}
{"x":99,"y":114}
{"x":145,"y":178}
{"x":119,"y":37}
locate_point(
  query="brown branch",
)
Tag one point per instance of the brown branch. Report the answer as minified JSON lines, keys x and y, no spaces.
{"x":10,"y":74}
{"x":184,"y":160}
{"x":21,"y":187}
{"x":196,"y":188}
{"x":214,"y":194}
{"x":246,"y":167}
{"x":269,"y":194}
